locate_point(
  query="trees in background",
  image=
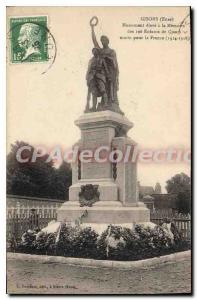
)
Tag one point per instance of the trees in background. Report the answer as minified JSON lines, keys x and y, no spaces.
{"x":36,"y":179}
{"x":180,"y":184}
{"x":63,"y":180}
{"x":42,"y":179}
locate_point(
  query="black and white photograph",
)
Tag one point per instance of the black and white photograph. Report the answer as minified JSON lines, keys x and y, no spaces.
{"x":98,"y":150}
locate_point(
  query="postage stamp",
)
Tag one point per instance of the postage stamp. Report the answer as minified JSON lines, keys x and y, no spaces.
{"x":29,"y":39}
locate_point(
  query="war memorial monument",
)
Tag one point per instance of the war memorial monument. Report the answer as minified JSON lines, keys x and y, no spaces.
{"x":104,"y":191}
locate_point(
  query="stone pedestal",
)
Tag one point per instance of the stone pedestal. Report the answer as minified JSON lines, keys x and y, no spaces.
{"x":104,"y":183}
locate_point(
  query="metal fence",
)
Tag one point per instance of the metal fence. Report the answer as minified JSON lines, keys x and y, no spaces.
{"x":182,"y":221}
{"x":20,"y":219}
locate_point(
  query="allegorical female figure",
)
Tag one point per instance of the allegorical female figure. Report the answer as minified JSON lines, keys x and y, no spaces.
{"x":108,"y":85}
{"x":96,"y":80}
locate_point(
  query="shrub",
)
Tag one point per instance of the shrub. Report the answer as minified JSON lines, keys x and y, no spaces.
{"x":77,"y":242}
{"x":115,"y":243}
{"x":111,"y":243}
{"x":134,"y":244}
{"x":45,"y":243}
{"x":27,"y":244}
{"x":36,"y":242}
{"x":153,"y":240}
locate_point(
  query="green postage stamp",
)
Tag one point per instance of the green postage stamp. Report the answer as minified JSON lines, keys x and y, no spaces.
{"x":29,"y":39}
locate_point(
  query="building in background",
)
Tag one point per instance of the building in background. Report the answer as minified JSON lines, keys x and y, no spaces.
{"x":157,"y":188}
{"x":148,"y":190}
{"x":155,"y":200}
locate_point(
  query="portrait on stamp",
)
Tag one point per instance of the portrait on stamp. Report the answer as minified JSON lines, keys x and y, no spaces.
{"x":28,"y":39}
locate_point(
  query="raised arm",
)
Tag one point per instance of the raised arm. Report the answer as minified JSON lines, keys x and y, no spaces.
{"x":96,"y":45}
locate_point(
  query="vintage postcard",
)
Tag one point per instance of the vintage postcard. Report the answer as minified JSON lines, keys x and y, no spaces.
{"x":99,"y":150}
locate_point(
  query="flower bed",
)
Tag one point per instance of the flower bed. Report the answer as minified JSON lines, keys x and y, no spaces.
{"x":115,"y":243}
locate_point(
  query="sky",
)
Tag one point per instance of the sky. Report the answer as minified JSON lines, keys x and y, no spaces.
{"x":154,"y":80}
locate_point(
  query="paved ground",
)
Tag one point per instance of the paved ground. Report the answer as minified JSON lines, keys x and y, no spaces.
{"x":55,"y":278}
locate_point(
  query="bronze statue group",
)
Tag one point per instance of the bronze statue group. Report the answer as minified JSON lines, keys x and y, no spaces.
{"x":102,"y":75}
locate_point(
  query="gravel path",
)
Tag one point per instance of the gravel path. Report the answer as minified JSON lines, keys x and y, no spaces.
{"x":28,"y":277}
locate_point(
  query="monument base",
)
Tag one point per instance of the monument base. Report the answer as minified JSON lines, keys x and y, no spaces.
{"x":104,"y":192}
{"x":103,"y":212}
